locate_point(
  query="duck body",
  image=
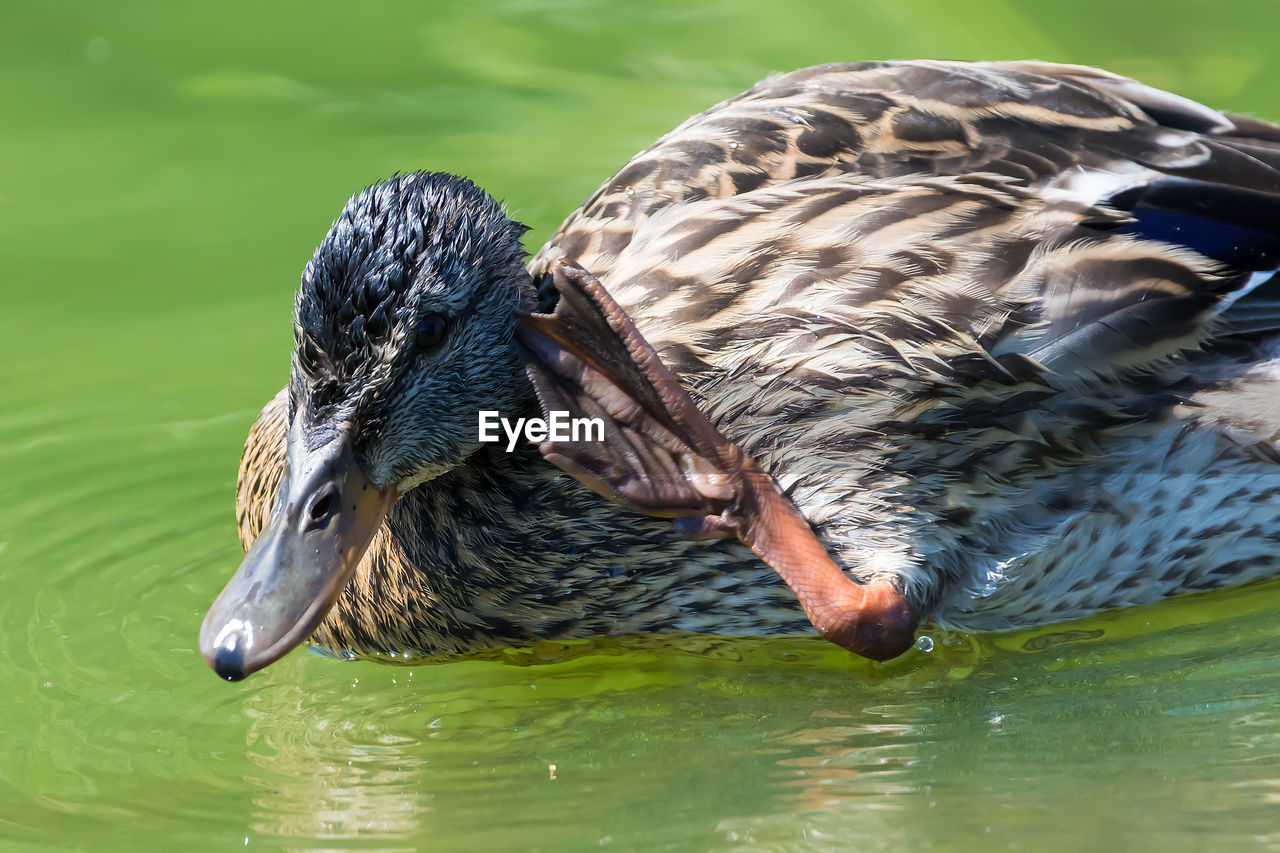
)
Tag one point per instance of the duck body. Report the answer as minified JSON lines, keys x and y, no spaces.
{"x":1004,"y":333}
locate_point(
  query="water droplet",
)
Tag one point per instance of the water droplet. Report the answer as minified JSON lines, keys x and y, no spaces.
{"x":924,"y":644}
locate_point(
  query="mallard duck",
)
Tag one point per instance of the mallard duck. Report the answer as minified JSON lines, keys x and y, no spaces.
{"x":984,"y":344}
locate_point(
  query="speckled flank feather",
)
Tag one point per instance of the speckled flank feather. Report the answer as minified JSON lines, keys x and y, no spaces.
{"x":1003,"y":331}
{"x":932,"y":281}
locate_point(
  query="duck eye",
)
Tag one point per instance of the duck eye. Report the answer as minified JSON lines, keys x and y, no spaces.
{"x":430,"y":332}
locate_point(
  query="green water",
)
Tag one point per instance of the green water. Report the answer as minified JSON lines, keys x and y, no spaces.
{"x":164,"y":175}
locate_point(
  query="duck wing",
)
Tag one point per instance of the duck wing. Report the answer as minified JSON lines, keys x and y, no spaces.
{"x":1095,"y":214}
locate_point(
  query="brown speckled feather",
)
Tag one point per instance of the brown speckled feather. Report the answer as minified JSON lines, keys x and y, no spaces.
{"x":1002,"y":331}
{"x":923,"y":277}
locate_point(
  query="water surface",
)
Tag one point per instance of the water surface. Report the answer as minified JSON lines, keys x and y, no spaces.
{"x":164,"y":175}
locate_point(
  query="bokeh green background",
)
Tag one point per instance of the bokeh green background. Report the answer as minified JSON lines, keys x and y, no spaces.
{"x":166,"y":170}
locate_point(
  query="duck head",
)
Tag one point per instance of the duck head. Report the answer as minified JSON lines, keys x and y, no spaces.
{"x":403,"y":330}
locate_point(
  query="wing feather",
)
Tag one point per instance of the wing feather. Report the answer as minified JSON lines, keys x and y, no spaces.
{"x":1082,"y":219}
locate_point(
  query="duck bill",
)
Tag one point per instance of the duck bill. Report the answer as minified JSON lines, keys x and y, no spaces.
{"x":325,"y":515}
